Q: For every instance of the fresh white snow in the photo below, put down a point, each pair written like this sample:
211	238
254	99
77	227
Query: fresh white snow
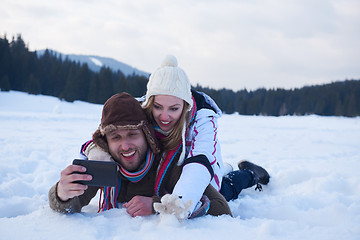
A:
96	61
314	163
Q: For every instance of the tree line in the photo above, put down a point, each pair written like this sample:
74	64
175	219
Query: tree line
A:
49	74
340	98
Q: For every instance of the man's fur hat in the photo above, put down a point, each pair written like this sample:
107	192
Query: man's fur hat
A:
122	111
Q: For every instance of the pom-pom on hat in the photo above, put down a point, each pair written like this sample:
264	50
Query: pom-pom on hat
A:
169	79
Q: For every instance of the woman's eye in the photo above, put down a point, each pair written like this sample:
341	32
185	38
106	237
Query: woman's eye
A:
174	109
157	107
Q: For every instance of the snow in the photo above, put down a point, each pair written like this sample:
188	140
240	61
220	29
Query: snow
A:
314	163
96	61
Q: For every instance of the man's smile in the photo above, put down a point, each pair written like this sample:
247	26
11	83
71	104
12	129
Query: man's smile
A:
128	154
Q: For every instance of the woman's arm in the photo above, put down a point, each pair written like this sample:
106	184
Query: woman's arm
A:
203	164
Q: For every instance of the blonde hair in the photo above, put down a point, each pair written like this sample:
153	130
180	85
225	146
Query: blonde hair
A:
175	136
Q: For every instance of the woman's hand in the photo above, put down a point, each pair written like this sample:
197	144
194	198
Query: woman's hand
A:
172	204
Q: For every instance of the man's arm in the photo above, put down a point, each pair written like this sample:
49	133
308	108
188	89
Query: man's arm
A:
68	197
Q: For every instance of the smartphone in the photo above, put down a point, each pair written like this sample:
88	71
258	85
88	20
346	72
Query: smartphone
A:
104	174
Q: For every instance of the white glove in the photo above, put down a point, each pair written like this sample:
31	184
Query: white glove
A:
172	204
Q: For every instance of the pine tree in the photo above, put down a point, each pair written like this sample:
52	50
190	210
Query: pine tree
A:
106	88
5	83
33	85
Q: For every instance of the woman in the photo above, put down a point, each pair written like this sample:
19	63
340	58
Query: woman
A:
188	118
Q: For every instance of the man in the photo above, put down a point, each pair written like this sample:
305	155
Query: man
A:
126	135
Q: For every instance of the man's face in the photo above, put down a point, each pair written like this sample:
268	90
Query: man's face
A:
128	147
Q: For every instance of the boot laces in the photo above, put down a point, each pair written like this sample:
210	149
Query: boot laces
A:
258	187
255	179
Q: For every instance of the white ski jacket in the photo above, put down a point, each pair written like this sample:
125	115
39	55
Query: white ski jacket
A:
203	162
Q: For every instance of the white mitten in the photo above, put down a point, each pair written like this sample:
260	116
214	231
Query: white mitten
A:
172	204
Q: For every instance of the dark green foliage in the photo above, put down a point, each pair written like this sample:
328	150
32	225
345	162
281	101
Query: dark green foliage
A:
334	99
5	83
49	74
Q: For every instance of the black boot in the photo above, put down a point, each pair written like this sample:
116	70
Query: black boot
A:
260	175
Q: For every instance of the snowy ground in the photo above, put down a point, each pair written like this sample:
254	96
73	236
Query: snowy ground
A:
314	163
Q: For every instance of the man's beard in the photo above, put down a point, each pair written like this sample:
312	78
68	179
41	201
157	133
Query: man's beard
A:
141	157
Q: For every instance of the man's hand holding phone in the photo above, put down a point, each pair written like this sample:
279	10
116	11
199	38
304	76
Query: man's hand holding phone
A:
76	178
67	188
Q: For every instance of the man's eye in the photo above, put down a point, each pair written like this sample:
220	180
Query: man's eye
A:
133	134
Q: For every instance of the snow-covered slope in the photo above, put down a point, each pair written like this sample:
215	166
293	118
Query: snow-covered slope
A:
96	62
313	193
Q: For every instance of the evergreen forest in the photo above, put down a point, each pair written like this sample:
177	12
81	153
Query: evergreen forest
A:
49	74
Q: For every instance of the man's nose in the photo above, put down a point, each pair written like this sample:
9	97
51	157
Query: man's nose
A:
125	145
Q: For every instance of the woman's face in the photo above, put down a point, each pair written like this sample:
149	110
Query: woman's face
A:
167	111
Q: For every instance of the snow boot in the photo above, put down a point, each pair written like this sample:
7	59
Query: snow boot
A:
260	175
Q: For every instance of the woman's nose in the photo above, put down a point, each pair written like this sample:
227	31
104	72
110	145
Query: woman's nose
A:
164	116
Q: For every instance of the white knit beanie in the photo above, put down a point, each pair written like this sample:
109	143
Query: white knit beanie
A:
169	79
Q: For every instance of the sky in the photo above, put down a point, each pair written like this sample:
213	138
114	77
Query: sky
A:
234	44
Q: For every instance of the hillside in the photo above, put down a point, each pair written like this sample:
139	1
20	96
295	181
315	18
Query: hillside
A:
95	63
